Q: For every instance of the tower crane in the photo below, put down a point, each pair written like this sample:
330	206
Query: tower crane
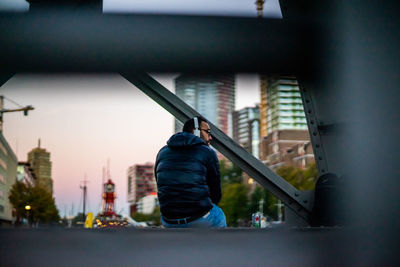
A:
3	110
259	4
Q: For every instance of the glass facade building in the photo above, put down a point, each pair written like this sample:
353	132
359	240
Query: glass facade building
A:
281	107
283	127
246	128
212	96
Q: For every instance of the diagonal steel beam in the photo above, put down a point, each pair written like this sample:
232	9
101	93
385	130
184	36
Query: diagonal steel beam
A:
5	76
299	201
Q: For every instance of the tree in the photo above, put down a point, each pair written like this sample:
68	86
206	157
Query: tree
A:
153	218
268	208
302	179
270	202
256	196
43	208
19	198
234	203
230	173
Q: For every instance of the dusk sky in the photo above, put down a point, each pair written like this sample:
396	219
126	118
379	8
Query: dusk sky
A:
83	120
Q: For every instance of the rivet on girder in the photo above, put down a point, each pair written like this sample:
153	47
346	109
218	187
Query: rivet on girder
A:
313	121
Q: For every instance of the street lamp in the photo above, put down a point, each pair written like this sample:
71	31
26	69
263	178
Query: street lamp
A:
27	208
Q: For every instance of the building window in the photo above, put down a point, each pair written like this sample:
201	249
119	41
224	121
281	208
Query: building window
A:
3	164
129	184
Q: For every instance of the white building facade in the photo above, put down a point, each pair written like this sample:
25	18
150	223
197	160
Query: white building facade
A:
141	182
8	176
147	204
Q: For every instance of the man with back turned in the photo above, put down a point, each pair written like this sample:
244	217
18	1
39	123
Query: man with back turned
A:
188	179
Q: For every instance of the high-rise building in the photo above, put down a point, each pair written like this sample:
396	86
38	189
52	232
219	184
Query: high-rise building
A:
263	107
246	128
141	183
281	106
287	147
8	174
39	160
283	127
212	96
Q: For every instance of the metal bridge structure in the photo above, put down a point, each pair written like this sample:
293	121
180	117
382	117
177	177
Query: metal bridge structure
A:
345	55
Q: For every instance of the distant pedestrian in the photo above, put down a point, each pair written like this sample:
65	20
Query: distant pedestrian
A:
188	179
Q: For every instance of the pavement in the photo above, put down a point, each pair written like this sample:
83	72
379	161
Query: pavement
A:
197	247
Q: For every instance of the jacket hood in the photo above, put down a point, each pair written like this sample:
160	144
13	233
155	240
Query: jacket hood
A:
184	139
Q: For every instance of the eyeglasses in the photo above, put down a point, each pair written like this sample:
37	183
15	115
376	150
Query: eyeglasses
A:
208	131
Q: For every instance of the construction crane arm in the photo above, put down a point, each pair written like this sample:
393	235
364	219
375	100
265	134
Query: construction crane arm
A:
24	109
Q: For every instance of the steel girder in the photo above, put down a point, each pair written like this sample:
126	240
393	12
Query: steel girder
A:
346	57
91	42
351	98
299	201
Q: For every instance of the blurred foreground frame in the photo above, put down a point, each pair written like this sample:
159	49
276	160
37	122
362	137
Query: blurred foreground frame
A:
347	66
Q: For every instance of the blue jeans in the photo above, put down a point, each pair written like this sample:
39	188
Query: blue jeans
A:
215	219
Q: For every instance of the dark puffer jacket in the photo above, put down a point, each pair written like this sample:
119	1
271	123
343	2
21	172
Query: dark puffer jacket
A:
187	175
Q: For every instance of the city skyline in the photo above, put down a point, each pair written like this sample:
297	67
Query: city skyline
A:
79	120
79	116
